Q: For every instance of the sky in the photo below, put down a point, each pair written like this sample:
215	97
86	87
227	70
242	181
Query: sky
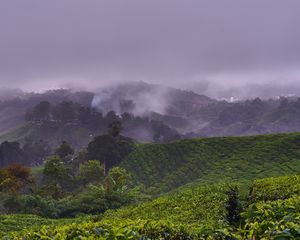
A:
208	46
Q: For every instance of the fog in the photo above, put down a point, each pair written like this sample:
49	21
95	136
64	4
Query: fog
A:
219	48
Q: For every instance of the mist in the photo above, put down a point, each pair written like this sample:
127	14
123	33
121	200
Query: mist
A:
220	49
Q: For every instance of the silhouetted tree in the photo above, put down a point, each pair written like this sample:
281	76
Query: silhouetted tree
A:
109	150
11	152
64	150
41	111
64	112
115	128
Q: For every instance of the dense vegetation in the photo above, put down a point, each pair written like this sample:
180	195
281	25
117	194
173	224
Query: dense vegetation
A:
48	125
197	212
104	191
71	183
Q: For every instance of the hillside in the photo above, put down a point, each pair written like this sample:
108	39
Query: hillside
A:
251	117
183	113
270	211
229	196
15	103
53	134
167	166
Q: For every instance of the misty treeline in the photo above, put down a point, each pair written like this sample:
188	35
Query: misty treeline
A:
250	117
73	113
47	119
30	153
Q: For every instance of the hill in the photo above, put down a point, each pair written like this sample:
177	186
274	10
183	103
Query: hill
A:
15	103
183	113
167	166
197	212
53	134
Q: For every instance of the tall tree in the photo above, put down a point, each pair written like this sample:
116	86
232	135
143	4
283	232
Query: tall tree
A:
115	128
64	150
41	111
109	150
91	172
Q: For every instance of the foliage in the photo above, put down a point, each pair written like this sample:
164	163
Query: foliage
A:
202	210
108	230
117	180
64	150
275	188
189	206
55	171
115	128
15	177
91	172
194	212
31	152
167	166
233	206
109	150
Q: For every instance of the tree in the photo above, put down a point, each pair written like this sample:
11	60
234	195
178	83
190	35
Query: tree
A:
11	152
64	112
109	150
233	206
115	128
64	150
36	152
84	115
15	177
117	179
41	111
56	171
111	116
91	172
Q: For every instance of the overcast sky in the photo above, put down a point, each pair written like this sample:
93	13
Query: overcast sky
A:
187	43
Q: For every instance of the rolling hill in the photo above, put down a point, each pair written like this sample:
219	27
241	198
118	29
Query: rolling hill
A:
251	177
185	113
167	166
270	211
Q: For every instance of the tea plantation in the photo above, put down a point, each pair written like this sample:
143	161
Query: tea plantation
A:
239	188
198	212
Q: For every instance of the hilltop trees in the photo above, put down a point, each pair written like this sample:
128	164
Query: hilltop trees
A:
41	111
64	112
71	113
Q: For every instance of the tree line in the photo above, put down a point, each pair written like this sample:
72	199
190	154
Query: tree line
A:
68	112
69	183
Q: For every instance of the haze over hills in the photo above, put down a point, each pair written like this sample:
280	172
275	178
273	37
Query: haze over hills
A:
182	114
150	120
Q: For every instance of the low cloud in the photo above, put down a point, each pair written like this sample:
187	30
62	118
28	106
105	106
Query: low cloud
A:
208	46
